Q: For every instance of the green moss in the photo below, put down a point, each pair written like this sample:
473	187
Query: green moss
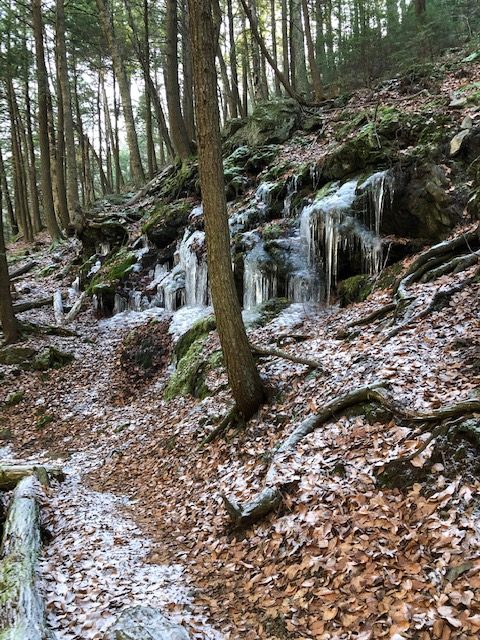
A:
192	367
42	421
17	356
389	276
272	231
188	378
164	222
354	289
51	358
182	181
14	398
200	329
6	434
112	272
216	360
269	310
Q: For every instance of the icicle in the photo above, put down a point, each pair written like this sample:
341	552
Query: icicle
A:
260	284
292	188
119	304
192	255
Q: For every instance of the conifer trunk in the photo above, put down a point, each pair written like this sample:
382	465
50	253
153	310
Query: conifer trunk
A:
178	130
138	175
244	379
42	82
10	325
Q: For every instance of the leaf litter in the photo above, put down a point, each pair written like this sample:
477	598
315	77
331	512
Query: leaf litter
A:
140	518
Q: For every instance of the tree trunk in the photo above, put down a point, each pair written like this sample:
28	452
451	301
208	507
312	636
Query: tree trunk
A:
299	65
178	131
22	614
138	175
74	210
273	26
233	60
8	200
11	475
253	25
314	70
42	82
11	329
142	58
18	166
244	379
187	102
32	173
285	55
151	158
110	134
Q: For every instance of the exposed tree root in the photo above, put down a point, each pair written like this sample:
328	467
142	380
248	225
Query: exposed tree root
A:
442	250
439	301
397	473
377	314
229	418
22	613
271	496
456	265
277	353
437	261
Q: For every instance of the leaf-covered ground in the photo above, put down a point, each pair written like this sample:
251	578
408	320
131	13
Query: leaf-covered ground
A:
141	520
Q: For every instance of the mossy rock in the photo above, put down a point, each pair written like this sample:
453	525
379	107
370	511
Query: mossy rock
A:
112	272
51	358
166	221
14	398
21	356
354	289
271	122
200	329
43	420
372	411
6	434
189	378
113	233
192	367
181	182
270	310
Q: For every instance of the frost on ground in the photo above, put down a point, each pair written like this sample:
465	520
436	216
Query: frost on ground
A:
96	564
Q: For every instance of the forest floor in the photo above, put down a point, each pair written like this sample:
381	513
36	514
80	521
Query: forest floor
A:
140	518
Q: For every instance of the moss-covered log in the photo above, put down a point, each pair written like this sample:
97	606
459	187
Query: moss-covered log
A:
270	497
22	615
11	475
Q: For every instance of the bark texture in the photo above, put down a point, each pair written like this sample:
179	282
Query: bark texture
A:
22	615
244	379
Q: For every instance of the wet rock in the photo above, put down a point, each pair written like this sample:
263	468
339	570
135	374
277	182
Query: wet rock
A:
457	142
145	623
97	233
423	207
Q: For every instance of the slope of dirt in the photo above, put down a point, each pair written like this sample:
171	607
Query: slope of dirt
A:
343	558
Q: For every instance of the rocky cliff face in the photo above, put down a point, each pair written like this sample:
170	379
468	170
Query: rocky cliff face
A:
315	197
